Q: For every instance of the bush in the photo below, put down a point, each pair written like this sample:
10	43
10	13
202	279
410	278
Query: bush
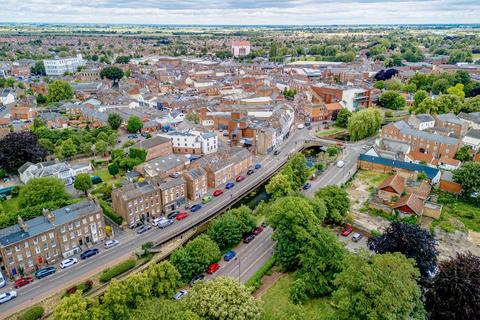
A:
85	286
256	280
33	313
71	290
108	211
120	268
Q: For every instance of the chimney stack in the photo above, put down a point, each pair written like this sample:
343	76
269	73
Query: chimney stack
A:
22	224
47	214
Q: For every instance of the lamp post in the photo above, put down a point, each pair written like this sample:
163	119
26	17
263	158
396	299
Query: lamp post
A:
238	258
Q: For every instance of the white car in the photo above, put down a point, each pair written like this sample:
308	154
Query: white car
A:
2	281
68	262
340	164
180	294
110	244
7	296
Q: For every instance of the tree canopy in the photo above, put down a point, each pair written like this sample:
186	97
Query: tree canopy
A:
112	73
467	175
134	124
38	69
392	100
16	148
337	202
114	120
364	123
83	182
40	190
342	118
59	91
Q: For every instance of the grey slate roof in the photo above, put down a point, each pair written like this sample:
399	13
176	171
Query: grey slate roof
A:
424	117
450	117
406	129
473	133
473	116
151	142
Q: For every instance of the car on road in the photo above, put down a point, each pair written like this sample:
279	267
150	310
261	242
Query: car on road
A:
357	237
144	228
340	164
172	215
2	281
90	253
206	199
229	255
217	192
163	223
300	126
68	262
258	230
307	186
276	152
195	279
347	229
180	294
42	273
240	178
182	215
196	207
250	172
7	296
248	238
229	185
213	268
22	282
258	166
110	244
132	136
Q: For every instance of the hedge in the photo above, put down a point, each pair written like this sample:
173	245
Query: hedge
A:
120	268
108	211
256	280
33	313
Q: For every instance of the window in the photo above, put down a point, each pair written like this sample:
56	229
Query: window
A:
9	251
98	216
37	250
72	235
45	246
44	237
90	218
19	257
10	260
30	262
25	245
64	238
55	252
28	253
70	226
52	243
47	255
77	224
84	221
17	248
67	247
50	235
62	229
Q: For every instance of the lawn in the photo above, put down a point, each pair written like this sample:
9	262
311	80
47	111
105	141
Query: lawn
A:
371	178
11	205
277	304
103	173
333	131
467	213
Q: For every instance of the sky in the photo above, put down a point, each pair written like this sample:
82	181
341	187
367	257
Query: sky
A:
241	12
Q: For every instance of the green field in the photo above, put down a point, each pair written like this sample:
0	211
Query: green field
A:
329	132
453	208
11	205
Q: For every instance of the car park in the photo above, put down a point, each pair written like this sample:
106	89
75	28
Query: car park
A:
196	207
206	199
172	215
68	262
357	237
180	294
162	224
42	273
213	268
347	229
249	238
22	282
250	172
217	193
340	163
90	253
240	178
7	296
144	228
182	215
229	185
306	186
257	230
110	244
258	166
195	279
229	255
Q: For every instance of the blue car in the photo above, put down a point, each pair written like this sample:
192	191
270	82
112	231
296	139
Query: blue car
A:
306	186
42	273
89	253
229	255
229	185
258	166
195	207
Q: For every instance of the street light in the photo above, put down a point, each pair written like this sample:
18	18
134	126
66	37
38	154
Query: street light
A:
238	258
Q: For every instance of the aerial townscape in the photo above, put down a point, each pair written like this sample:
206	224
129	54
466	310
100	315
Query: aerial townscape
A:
259	161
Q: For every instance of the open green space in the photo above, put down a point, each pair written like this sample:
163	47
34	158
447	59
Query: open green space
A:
329	132
456	209
11	205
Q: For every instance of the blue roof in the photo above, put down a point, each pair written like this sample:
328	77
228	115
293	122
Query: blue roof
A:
429	171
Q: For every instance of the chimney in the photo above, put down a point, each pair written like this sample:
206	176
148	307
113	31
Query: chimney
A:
22	224
47	214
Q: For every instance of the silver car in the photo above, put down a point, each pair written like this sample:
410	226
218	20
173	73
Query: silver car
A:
68	262
7	296
110	244
180	294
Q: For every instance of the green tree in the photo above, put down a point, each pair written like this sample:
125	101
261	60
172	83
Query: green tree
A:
380	286
59	91
447	103
440	86
333	151
114	120
41	190
463	154
139	288
467	175
245	218
113	169
164	278
392	100
393	84
112	73
223	299
38	69
457	90
193	117
418	97
137	153
66	149
83	182
122	59
112	139
297	170
163	309
364	123
225	231
279	186
337	202
115	301
471	104
342	118
134	124
72	307
101	147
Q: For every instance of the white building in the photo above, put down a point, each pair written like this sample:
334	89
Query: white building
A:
6	96
59	66
60	170
192	142
240	48
472	139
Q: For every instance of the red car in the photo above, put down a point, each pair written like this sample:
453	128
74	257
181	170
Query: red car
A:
240	178
347	230
213	268
258	230
182	215
218	192
22	282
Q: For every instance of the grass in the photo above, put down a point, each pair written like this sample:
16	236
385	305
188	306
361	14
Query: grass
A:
277	304
334	130
456	209
11	205
372	178
103	173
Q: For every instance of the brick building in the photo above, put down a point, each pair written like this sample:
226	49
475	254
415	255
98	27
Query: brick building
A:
156	147
223	167
196	183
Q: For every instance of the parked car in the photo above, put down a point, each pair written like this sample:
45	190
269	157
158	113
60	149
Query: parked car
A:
165	223
182	215
110	244
264	224
7	296
206	199
68	262
42	273
357	237
258	166
258	230
180	294
2	281
195	279
132	136
347	229
172	215
144	228
196	207
22	282
90	253
229	255
250	171
213	268
307	186
276	152
240	178
340	163
249	238
229	185
175	175
217	193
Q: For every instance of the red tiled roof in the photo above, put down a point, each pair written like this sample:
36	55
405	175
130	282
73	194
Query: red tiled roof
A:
241	43
396	182
333	106
411	201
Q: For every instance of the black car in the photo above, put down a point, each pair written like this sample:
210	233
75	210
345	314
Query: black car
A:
173	214
249	238
89	253
276	152
251	171
196	279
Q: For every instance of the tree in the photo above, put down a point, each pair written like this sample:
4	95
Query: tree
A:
392	100
134	124
447	103
455	291
279	186
122	59
225	231
463	154
467	175
164	309
112	73
193	117
337	202
364	123
224	299
244	216
378	287
342	118
38	69
393	84
164	278
112	139
59	91
471	104
72	307
115	301
114	120
195	257
40	190
379	84
113	169
67	149
101	147
418	97
297	170
411	240
16	148
457	90
333	151
83	182
440	86
385	74
137	153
